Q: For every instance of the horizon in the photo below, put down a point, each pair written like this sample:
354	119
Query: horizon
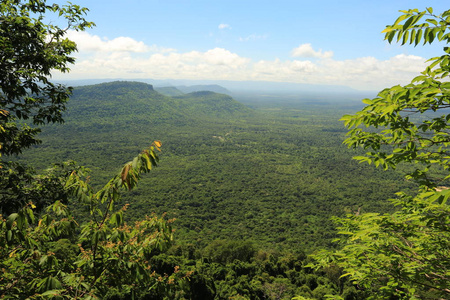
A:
321	43
244	90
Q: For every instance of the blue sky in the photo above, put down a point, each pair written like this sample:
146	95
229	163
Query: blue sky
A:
316	42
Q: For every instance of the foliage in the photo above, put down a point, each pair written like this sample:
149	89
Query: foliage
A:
46	251
222	251
53	255
405	254
271	177
271	181
266	274
409	116
212	105
30	50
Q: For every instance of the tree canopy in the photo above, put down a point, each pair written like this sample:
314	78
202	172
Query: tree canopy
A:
31	48
46	251
412	119
55	255
405	254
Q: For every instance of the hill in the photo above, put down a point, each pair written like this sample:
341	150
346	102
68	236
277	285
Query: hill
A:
208	87
246	89
122	102
169	91
271	175
211	104
132	101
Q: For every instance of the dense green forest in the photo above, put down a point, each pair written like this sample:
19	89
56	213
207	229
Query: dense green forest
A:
251	187
245	193
272	175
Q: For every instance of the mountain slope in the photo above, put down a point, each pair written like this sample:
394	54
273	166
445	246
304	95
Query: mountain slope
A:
117	102
209	104
169	91
226	172
205	87
123	102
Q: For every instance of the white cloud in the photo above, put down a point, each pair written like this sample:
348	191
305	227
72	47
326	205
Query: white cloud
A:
306	50
128	58
303	66
224	26
219	56
371	73
93	43
406	63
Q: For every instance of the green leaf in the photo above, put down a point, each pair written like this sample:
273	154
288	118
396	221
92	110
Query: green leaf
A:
412	36
409	22
11	219
401	18
53	293
390	36
9	236
345	275
431	36
405	37
432	21
418	37
49	283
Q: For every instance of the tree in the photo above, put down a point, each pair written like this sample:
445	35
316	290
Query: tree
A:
54	255
30	50
45	251
405	254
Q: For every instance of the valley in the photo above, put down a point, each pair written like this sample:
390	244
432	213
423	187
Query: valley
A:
268	172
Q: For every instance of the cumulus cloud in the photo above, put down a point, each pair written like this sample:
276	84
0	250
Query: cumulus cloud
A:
93	43
224	26
406	63
219	56
306	50
372	73
128	58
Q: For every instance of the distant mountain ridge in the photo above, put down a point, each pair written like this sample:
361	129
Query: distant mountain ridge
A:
312	91
169	91
125	101
214	104
209	87
181	90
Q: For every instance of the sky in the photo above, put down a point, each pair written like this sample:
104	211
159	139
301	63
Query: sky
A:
327	42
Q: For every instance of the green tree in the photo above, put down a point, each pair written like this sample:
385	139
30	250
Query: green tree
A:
405	254
45	251
104	254
30	50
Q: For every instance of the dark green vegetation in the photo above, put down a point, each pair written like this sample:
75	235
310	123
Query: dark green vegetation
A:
46	251
274	176
29	51
252	189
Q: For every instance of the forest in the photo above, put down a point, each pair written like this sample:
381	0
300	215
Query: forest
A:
246	198
254	186
269	174
247	187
